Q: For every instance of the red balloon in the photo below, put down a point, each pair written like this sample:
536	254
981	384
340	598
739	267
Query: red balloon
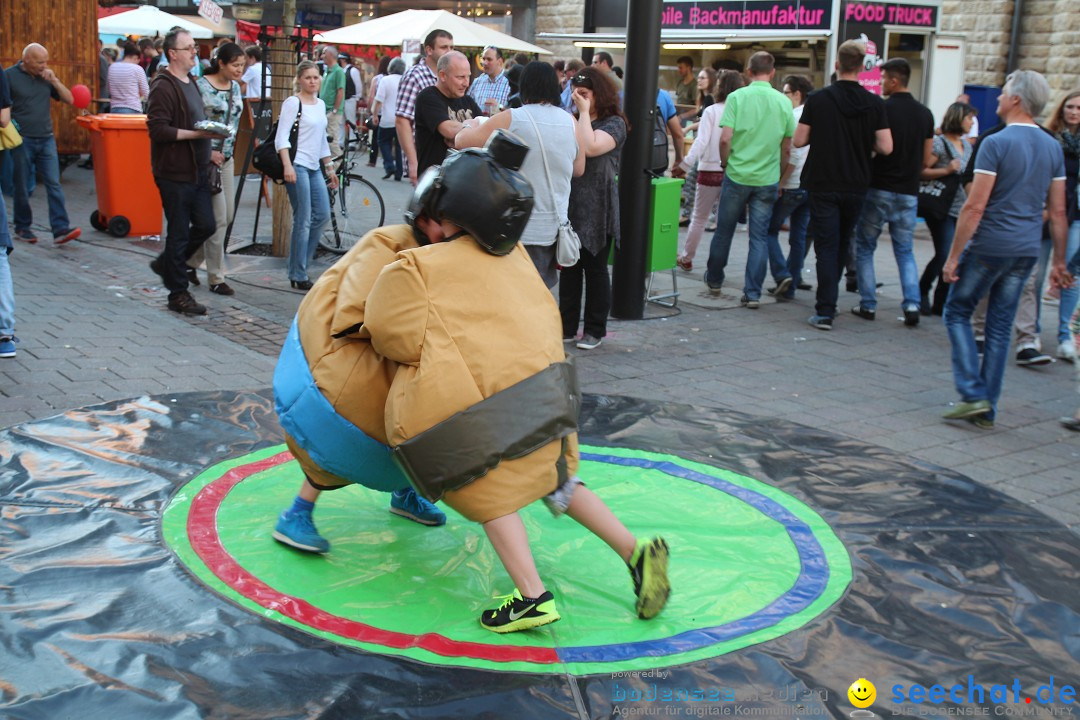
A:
80	96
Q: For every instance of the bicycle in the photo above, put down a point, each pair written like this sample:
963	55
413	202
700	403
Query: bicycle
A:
356	207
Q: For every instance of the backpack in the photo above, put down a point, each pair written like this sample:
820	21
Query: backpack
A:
659	158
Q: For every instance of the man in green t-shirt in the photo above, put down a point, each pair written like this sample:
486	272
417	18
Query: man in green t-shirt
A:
332	93
755	142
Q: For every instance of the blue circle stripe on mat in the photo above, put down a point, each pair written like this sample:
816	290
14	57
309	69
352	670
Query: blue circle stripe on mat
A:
811	583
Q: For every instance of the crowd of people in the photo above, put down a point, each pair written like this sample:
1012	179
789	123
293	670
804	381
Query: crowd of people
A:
833	166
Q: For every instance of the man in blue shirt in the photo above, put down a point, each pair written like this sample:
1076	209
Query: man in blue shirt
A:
491	89
1018	172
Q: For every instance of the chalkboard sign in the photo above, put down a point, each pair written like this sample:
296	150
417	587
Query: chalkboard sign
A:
264	117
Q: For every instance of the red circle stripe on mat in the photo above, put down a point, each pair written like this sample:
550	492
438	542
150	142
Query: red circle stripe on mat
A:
204	538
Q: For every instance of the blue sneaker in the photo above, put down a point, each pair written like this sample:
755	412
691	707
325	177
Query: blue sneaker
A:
297	529
7	346
408	504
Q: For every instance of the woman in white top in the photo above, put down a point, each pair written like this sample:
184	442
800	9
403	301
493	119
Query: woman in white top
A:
548	130
705	153
304	179
385	111
127	83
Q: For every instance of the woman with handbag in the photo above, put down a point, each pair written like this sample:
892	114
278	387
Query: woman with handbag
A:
304	178
554	157
704	155
224	102
952	153
594	206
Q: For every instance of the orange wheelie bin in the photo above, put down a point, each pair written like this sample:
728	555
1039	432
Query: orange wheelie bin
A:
128	199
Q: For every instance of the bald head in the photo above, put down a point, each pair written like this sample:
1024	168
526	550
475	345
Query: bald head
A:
34	58
329	55
454	74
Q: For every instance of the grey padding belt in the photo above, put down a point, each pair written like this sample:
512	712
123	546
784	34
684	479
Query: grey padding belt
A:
510	424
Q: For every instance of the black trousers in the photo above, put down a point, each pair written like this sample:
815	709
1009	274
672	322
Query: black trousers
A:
832	219
189	221
592	272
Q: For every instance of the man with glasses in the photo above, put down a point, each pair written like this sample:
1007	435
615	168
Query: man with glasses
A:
491	89
180	162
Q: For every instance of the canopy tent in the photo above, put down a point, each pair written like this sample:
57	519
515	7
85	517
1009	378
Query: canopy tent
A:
148	20
416	24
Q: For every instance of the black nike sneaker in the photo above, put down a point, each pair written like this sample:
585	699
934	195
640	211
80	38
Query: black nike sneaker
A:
518	613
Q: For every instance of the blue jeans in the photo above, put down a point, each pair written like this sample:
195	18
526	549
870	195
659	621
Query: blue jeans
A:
125	111
832	219
42	153
391	152
796	205
7	292
310	200
1002	278
732	200
880	207
1068	296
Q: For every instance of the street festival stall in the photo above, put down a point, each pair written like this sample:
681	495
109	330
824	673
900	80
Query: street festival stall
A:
803	35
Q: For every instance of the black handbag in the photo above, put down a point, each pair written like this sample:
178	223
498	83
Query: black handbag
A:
267	160
936	196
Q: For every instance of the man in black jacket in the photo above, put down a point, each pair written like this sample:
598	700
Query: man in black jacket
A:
843	124
180	160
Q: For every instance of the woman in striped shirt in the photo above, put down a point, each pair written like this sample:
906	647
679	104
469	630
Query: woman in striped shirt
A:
127	83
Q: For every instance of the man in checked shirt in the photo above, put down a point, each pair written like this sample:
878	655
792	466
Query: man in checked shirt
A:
418	77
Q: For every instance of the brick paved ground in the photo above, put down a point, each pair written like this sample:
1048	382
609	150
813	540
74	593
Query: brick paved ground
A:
93	327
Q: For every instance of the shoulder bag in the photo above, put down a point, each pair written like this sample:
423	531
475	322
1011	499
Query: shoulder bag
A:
567	242
266	159
936	196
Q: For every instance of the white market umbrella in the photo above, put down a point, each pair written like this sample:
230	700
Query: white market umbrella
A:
148	20
416	24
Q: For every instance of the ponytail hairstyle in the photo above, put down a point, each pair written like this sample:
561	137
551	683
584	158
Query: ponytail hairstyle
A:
226	53
301	68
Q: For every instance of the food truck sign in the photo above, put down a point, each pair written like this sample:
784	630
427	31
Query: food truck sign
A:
923	16
791	14
747	15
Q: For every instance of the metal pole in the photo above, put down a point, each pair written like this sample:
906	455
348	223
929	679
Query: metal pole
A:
1014	36
635	189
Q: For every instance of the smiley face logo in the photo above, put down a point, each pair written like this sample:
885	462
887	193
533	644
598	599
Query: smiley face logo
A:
862	693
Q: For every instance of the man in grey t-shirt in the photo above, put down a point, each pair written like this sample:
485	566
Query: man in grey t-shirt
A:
33	85
1018	172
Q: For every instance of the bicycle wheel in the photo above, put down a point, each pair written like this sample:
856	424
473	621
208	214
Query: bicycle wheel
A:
358	209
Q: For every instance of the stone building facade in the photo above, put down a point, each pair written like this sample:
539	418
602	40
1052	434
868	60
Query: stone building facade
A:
1049	37
560	16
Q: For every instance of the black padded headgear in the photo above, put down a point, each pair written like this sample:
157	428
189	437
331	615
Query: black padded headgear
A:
480	191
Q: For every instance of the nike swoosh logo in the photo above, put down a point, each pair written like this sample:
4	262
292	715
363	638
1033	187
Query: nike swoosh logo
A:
517	616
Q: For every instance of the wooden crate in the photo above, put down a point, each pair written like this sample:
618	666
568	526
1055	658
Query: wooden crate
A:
68	28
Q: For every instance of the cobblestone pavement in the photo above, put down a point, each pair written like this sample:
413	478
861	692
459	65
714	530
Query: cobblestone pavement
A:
93	327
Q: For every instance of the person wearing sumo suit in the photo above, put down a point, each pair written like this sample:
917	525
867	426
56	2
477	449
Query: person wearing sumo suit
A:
330	391
477	336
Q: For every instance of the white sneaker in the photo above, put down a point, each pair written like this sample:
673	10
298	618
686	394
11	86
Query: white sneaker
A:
1067	351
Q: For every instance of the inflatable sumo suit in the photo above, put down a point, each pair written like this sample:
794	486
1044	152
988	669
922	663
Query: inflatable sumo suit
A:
479	340
330	385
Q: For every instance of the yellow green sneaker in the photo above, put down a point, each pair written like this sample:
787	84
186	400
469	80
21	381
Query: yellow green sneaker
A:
518	613
648	569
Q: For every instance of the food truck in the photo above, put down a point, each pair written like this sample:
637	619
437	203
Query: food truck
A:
802	35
